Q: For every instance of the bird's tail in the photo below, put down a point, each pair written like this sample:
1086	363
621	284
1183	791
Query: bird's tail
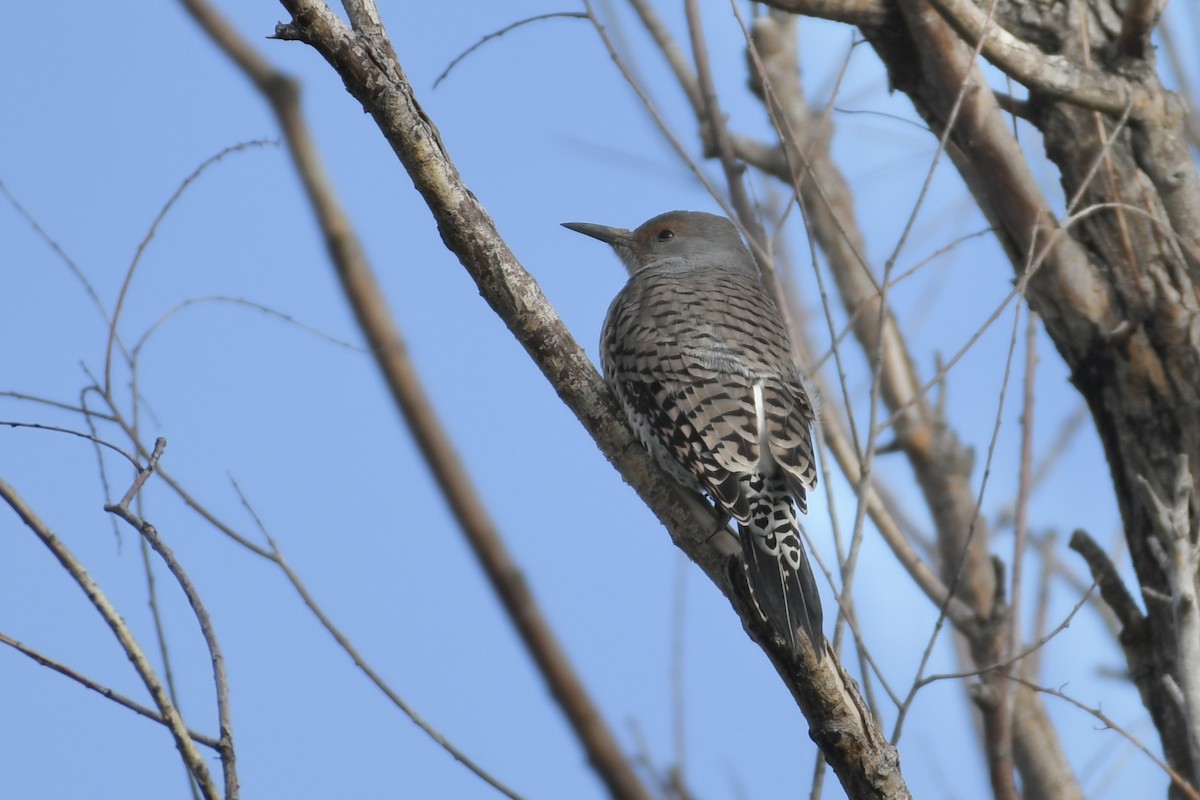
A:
781	581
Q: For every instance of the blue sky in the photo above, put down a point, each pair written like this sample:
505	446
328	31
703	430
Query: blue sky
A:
108	109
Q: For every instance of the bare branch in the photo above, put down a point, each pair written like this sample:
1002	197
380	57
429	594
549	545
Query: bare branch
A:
1136	26
91	437
841	725
220	677
713	122
1055	75
104	691
391	354
497	34
1178	554
1182	77
1180	782
275	555
195	763
141	249
864	13
1112	589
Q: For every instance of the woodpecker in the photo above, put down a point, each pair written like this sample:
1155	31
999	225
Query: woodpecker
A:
699	358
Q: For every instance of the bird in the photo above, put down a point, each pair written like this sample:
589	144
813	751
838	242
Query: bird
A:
700	361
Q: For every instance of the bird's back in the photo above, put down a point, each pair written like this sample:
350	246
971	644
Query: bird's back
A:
706	337
699	358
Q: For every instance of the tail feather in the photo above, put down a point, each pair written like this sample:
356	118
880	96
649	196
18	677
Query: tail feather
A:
777	569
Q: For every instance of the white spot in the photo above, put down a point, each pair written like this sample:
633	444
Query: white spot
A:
766	462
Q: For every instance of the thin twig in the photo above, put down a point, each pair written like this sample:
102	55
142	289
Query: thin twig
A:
659	122
678	662
174	722
1024	488
91	437
497	34
141	249
276	556
62	254
216	658
1179	781
102	690
241	302
714	123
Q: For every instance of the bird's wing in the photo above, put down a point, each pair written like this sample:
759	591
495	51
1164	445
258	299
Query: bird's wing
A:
786	412
727	442
731	349
688	381
702	427
790	419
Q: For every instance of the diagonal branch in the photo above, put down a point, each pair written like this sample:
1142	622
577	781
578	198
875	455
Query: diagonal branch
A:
149	535
942	464
391	354
1055	75
174	722
840	723
104	691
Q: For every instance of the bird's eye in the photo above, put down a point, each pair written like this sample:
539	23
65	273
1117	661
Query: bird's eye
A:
666	234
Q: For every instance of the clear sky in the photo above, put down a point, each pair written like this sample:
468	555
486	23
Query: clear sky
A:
108	107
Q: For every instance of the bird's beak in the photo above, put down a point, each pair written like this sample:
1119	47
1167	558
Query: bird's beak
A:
617	237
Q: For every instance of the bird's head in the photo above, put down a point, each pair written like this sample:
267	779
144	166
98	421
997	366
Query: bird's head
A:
675	240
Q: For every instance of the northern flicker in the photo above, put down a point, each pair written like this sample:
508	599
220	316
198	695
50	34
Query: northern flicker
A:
699	358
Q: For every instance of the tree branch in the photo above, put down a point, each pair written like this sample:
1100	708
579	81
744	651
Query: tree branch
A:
149	534
391	354
866	765
196	764
103	691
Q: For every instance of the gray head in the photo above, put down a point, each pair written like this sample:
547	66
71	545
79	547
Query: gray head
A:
675	240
